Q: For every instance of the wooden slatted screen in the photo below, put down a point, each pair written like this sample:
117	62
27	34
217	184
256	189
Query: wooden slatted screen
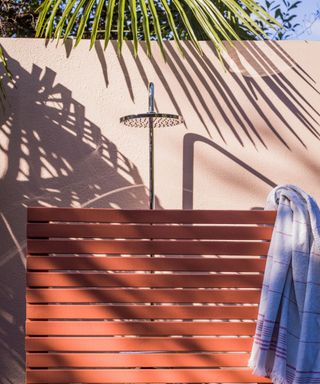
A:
127	296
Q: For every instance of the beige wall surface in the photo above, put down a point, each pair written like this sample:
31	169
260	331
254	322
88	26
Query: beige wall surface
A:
248	127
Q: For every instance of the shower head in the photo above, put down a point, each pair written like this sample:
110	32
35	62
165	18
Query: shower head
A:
157	120
151	119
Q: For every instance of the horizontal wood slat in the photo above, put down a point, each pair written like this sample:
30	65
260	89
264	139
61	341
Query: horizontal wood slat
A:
88	307
177	216
98	344
106	360
66	311
144	376
146	246
147	328
194	264
56	279
145	231
131	295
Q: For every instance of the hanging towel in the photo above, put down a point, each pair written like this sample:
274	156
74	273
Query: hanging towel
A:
286	345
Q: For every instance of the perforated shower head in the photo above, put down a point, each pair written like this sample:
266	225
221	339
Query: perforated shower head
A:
151	119
158	120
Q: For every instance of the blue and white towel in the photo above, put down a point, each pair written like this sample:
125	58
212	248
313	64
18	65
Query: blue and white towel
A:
286	345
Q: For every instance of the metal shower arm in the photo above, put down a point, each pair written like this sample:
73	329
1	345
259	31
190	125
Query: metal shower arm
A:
151	97
151	120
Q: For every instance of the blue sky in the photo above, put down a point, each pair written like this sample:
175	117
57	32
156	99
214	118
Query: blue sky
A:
306	11
306	14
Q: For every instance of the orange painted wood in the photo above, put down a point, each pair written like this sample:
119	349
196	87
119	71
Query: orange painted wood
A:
146	246
98	376
99	344
145	231
80	317
146	328
57	279
146	263
56	311
115	295
102	215
115	360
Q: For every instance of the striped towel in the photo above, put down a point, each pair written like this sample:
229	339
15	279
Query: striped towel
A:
286	345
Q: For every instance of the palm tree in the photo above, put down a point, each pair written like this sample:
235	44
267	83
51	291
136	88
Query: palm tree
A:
159	20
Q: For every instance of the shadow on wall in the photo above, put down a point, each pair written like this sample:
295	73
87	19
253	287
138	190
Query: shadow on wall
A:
189	141
57	157
207	88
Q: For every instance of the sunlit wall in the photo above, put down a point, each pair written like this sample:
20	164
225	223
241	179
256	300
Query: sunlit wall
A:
249	125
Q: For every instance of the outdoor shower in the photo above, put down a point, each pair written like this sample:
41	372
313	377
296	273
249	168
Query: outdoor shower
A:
151	119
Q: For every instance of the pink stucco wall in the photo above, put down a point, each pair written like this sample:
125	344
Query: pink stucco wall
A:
248	127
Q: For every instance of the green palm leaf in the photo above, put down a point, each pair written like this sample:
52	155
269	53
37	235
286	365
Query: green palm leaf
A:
44	15
134	25
96	22
84	20
145	25
157	27
121	8
187	24
50	23
69	25
172	24
153	19
66	13
109	18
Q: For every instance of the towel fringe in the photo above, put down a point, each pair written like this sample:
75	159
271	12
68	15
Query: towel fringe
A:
261	371
257	371
276	379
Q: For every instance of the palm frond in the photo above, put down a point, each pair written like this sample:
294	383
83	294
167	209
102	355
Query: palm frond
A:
44	15
172	24
154	20
145	25
84	20
187	25
108	24
69	25
157	27
67	13
121	15
134	25
51	19
96	22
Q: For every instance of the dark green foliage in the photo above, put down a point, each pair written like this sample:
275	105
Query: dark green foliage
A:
284	11
18	18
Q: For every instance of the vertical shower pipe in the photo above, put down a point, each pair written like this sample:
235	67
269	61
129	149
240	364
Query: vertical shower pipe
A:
151	119
151	155
151	147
